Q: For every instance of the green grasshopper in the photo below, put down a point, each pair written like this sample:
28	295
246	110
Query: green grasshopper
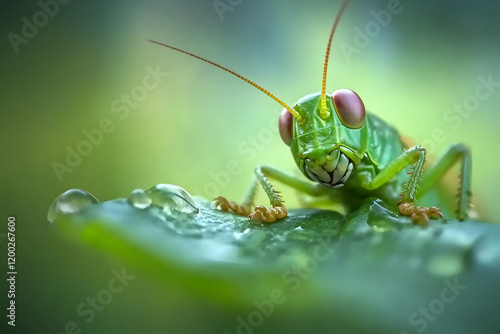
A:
350	155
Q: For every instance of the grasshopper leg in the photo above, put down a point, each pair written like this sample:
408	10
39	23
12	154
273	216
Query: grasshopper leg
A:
413	156
439	169
277	210
228	206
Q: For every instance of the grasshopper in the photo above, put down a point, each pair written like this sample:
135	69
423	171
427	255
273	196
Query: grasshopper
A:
349	154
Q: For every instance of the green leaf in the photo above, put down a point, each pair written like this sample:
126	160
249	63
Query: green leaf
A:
371	271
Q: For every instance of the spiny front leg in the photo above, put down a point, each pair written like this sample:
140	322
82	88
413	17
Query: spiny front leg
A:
456	153
277	210
415	155
418	214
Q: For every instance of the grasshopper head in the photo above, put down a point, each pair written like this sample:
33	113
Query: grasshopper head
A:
327	148
327	133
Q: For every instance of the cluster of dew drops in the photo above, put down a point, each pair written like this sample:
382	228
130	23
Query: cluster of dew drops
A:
172	199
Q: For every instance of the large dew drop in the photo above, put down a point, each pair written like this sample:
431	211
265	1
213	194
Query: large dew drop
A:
172	199
139	199
71	201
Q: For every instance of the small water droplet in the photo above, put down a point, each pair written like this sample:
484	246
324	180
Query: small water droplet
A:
139	199
71	201
172	199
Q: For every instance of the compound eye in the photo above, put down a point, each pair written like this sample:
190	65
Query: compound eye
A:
349	107
286	126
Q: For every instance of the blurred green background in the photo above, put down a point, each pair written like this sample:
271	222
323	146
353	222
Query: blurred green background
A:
75	70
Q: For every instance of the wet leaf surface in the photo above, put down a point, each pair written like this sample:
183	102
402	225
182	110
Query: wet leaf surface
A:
369	272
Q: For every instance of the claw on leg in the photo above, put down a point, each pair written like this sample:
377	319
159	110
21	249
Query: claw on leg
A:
224	205
260	213
268	215
418	214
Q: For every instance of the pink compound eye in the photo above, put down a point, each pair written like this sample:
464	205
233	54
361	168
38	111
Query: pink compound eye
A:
286	126
349	107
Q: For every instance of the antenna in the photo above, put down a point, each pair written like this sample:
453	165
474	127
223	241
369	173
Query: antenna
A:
323	110
295	114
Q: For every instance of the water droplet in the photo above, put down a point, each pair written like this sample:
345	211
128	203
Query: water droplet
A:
139	199
71	201
172	199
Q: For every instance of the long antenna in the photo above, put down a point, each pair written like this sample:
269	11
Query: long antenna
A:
323	111
299	118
